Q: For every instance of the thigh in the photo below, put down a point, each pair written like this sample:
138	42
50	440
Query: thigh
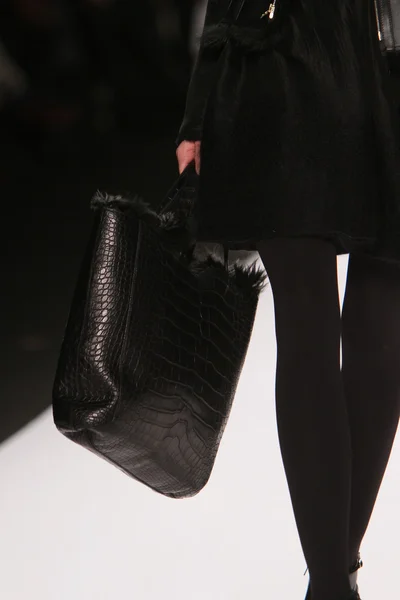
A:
303	275
304	263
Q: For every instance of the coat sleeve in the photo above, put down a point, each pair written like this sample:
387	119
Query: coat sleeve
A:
200	80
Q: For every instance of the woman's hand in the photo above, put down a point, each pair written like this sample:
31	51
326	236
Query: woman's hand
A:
186	152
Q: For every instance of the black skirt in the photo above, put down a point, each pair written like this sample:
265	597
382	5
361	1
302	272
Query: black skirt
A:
300	131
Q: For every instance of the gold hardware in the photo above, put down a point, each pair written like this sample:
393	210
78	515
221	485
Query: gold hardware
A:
270	12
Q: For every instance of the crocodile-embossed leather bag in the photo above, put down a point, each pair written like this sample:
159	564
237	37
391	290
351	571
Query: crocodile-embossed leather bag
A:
388	25
155	343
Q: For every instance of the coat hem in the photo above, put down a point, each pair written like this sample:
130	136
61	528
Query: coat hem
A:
344	243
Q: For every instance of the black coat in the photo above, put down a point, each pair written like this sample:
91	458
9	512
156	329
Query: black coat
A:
299	126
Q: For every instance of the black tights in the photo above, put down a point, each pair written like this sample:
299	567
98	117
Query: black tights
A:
336	428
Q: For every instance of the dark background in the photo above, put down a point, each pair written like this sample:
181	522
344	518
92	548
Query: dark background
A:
92	93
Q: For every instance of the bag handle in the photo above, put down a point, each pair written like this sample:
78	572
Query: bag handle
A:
186	180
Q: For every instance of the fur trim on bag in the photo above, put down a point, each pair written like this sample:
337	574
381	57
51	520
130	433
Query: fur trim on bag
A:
247	277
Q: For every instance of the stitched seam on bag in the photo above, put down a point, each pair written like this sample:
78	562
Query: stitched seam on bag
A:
128	315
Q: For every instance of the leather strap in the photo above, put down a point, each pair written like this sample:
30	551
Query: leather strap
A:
187	179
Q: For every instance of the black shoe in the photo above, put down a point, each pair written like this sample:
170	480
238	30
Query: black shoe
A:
353	580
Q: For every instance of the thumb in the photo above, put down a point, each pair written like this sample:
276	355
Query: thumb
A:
185	154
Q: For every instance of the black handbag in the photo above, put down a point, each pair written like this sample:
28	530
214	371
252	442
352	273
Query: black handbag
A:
155	343
388	24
